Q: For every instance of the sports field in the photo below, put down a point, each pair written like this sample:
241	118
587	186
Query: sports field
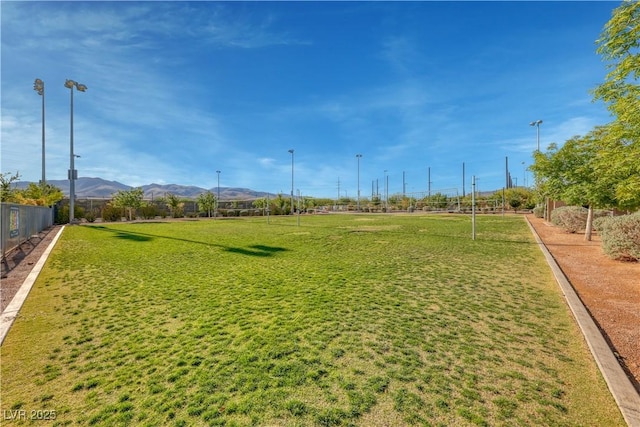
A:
363	320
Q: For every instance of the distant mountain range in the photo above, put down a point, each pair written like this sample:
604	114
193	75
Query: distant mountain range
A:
101	188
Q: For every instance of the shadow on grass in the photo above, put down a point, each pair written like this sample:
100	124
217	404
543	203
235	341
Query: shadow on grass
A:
132	236
256	250
253	250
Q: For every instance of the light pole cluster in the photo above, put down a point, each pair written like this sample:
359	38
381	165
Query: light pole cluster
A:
73	174
38	86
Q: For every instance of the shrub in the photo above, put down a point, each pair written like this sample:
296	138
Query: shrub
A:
148	211
601	213
574	218
600	223
538	211
62	214
570	218
90	216
515	204
621	237
111	213
78	212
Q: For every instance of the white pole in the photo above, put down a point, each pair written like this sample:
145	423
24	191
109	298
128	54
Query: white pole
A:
292	207
473	208
298	207
72	188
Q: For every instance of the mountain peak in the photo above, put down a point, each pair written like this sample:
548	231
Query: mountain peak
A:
90	187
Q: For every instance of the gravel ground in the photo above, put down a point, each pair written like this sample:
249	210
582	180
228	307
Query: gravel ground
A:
609	289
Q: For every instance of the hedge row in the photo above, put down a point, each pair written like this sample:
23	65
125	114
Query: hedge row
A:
574	218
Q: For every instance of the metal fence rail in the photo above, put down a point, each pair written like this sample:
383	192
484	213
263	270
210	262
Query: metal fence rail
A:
20	222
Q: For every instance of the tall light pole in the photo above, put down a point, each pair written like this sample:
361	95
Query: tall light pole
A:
291	151
537	124
38	86
218	196
473	208
386	191
463	181
73	174
358	156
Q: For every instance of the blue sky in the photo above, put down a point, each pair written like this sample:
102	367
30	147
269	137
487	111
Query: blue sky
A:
178	90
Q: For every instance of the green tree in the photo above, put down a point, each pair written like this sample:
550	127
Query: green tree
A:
436	201
345	201
569	173
148	210
175	205
261	203
619	158
279	202
323	201
206	202
515	203
129	200
618	45
516	197
308	203
7	192
39	194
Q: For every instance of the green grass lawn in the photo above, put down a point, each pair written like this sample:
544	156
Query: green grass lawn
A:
343	320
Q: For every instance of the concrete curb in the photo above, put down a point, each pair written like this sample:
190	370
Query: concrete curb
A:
619	384
11	311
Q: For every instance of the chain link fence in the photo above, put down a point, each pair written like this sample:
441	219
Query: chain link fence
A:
20	222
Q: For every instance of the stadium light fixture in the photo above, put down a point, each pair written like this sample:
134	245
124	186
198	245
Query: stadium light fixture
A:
38	86
537	124
73	174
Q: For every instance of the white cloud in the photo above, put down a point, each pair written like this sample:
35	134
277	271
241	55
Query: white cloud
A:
266	162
